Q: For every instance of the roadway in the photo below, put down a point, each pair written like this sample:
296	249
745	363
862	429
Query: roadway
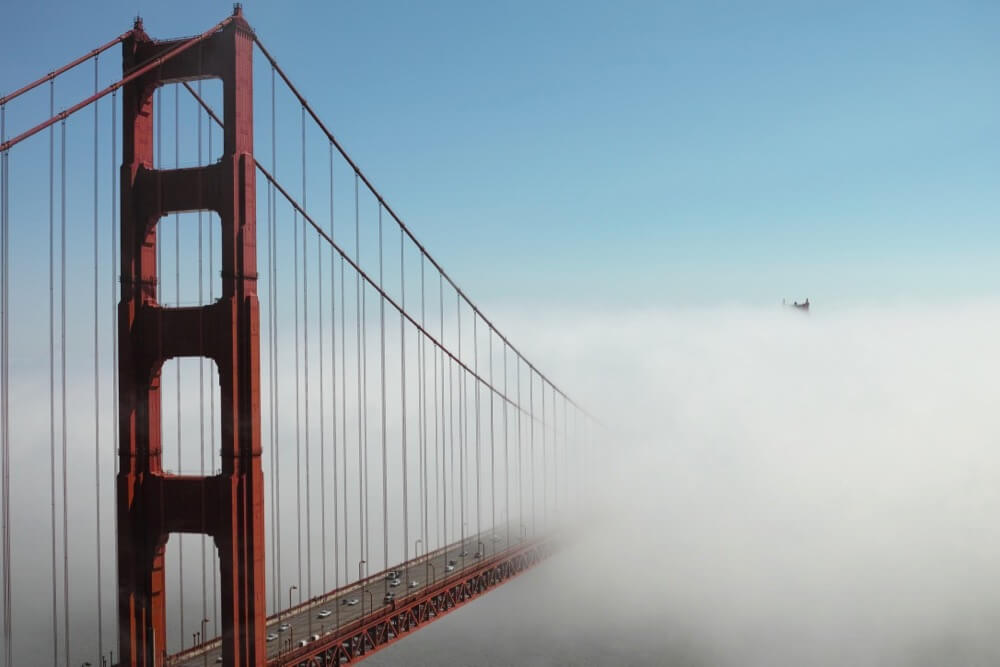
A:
286	629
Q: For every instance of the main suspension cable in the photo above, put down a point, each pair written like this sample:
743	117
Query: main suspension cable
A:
381	200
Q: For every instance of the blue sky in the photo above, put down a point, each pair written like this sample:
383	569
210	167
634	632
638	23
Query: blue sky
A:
642	154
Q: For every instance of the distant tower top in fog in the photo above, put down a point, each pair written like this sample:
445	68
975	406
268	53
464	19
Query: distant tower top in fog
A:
804	306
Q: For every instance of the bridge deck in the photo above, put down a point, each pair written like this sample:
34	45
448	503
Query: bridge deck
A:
360	606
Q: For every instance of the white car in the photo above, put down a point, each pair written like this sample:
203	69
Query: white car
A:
449	567
271	636
349	602
324	613
394	583
283	627
302	642
414	583
389	597
313	638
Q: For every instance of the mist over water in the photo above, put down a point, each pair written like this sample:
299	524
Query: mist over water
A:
776	489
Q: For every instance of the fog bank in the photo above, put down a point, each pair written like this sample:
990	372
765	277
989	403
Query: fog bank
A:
776	489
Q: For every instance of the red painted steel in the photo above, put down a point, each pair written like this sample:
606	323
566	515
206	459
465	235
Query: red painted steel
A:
151	503
359	640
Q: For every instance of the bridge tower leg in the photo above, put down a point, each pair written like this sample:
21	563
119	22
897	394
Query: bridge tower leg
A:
152	504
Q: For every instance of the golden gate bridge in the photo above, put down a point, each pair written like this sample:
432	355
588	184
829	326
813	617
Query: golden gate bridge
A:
318	442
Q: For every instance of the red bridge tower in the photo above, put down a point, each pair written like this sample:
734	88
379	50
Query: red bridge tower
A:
152	504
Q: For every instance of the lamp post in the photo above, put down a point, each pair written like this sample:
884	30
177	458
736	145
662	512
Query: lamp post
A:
363	588
416	554
371	603
204	654
290	589
433	569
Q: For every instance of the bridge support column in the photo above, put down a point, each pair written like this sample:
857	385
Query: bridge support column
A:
152	504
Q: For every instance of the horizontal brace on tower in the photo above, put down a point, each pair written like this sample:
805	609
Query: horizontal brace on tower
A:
165	191
182	332
182	503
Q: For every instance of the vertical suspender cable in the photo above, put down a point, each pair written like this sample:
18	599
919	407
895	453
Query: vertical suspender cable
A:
555	455
322	407
52	370
305	373
5	384
385	480
520	468
5	407
177	365
201	371
421	426
211	393
364	411
62	355
333	396
461	427
423	411
531	444
545	506
298	404
271	440
402	414
273	351
97	393
272	529
451	443
493	459
112	302
565	453
506	457
438	442
343	409
361	470
444	471
475	382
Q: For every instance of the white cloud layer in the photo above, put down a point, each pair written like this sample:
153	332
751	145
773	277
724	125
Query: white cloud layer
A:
781	489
